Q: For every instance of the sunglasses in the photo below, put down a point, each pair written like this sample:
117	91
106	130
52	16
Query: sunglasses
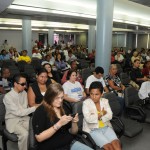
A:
22	84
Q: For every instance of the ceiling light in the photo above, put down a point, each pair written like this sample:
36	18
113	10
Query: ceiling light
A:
74	3
26	8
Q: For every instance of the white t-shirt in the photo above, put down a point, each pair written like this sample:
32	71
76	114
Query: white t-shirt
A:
73	90
144	90
119	58
37	55
91	79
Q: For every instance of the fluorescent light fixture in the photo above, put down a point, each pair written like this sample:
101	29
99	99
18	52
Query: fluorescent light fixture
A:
59	25
74	3
36	29
26	8
13	28
9	28
131	15
118	20
68	30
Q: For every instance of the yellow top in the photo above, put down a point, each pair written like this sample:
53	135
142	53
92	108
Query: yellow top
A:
100	122
24	58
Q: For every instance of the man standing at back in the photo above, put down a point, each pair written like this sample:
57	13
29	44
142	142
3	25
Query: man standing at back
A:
17	111
97	76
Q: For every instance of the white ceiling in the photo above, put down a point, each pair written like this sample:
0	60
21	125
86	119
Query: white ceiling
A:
70	14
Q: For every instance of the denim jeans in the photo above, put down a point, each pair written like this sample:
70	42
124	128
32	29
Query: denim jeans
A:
103	136
79	146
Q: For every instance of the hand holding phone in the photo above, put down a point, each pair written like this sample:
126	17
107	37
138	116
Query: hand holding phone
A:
75	118
73	115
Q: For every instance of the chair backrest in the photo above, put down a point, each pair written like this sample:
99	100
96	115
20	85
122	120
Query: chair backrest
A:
36	63
77	108
131	96
86	72
21	65
124	78
114	104
2	109
2	113
32	143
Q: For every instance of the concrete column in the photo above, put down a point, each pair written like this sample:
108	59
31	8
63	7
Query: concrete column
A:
74	39
104	23
51	37
130	39
147	41
91	38
27	35
136	38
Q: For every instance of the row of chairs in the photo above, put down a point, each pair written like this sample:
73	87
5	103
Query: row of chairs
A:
134	113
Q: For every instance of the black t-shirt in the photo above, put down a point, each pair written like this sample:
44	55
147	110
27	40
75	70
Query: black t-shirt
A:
37	92
136	73
42	122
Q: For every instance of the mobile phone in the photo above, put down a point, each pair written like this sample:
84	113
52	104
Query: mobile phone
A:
72	115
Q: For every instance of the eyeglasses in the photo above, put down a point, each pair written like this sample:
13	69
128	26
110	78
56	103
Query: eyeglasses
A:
22	84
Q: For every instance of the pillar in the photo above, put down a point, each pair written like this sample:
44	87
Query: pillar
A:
91	38
74	42
51	37
104	23
27	35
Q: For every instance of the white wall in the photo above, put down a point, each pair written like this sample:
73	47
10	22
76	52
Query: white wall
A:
14	38
81	39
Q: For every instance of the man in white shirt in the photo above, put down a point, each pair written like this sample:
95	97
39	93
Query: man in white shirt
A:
144	90
17	111
70	56
97	76
37	54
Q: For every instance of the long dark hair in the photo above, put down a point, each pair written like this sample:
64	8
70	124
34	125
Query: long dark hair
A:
52	92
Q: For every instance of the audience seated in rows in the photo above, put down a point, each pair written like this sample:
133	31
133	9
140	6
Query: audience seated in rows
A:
48	67
15	56
50	59
113	81
114	84
73	66
119	58
70	57
17	111
55	129
24	57
97	115
144	90
73	90
146	69
37	90
136	74
4	55
5	81
97	76
37	54
59	62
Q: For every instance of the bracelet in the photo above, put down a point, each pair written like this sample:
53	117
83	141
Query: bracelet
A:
56	127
